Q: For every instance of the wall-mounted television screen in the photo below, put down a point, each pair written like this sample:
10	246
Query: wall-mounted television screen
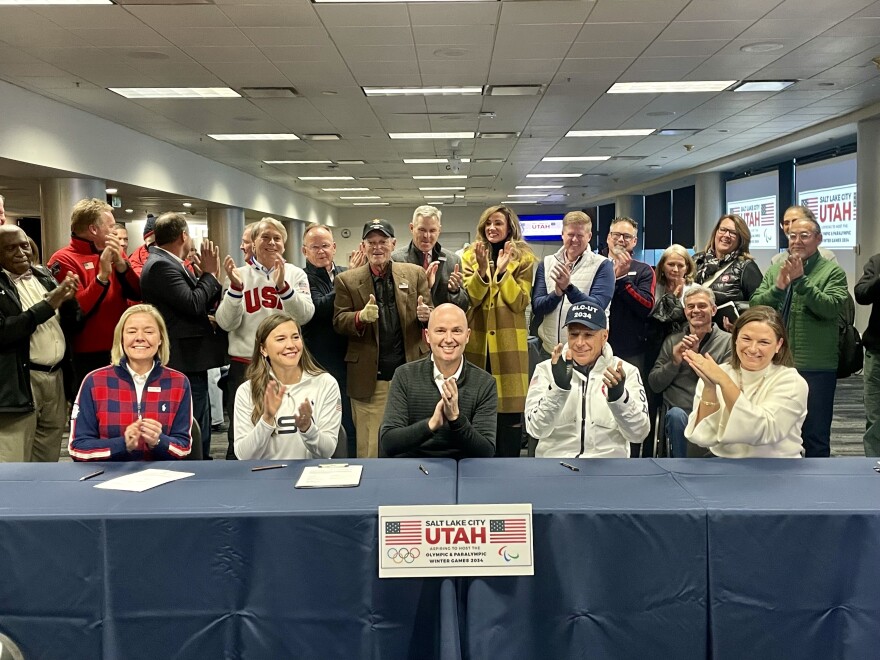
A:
542	227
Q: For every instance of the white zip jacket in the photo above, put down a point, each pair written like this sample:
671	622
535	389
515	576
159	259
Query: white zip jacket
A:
283	440
581	422
242	310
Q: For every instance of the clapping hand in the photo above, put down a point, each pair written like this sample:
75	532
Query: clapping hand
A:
231	272
272	399
208	260
481	254
615	380
357	257
561	368
705	367
64	291
278	272
303	417
449	397
687	343
504	258
455	280
561	274
622	261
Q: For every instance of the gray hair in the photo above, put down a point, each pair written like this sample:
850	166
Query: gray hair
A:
427	211
694	289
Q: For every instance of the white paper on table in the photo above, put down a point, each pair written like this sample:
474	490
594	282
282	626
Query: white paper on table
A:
331	476
143	480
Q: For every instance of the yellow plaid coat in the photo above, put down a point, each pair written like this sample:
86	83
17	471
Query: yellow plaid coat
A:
497	319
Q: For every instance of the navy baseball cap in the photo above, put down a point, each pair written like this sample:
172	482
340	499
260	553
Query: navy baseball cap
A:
588	313
150	225
379	225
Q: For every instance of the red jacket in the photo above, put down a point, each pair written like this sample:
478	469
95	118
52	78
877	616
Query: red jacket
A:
102	306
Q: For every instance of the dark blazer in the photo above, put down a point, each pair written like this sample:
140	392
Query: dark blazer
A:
353	290
326	345
185	303
16	328
448	261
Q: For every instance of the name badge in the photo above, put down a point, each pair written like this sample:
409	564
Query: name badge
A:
154	389
632	272
403	285
89	265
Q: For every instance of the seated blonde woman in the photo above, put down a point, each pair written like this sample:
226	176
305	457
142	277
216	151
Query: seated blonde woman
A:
135	409
753	406
288	407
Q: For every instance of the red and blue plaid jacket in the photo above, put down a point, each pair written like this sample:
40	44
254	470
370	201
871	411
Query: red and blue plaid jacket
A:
107	403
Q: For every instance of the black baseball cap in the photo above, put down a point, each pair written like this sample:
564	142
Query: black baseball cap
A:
379	225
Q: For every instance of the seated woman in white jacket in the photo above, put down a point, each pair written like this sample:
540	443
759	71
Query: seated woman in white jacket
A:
754	406
583	402
289	407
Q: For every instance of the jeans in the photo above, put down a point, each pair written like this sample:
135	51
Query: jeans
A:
676	423
872	403
816	432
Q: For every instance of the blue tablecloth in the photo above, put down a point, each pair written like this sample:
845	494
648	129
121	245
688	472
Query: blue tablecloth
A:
794	555
620	556
228	563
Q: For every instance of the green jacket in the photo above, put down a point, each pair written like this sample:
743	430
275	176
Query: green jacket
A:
815	306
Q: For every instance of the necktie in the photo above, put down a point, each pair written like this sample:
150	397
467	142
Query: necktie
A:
427	260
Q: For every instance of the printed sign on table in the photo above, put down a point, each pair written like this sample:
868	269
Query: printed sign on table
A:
760	216
835	209
455	540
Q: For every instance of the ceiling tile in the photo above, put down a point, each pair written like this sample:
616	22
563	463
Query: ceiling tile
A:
458	35
537	34
209	36
620	31
372	36
231	54
694	30
378	15
163	17
480	13
702	48
275	15
287	36
646	10
532	12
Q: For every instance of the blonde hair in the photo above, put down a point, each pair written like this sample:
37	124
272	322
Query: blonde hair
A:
514	231
258	370
87	212
681	251
427	211
117	352
271	222
577	218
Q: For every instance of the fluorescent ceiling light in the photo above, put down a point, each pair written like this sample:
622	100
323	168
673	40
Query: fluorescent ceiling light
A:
438	135
440	176
253	136
298	162
763	85
520	201
531	195
172	92
439	196
670	87
187	204
514	90
443	188
54	2
111	191
366	2
428	161
350	162
552	176
129	210
573	159
321	137
623	132
361	197
371	203
344	189
423	91
550	187
498	135
325	178
674	132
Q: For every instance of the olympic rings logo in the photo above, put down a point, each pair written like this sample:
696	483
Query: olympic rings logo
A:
401	555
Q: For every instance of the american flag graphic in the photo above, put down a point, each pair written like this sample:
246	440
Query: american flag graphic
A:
768	213
812	203
404	532
507	530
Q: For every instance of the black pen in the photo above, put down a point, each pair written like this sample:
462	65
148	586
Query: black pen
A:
570	467
93	474
422	468
268	467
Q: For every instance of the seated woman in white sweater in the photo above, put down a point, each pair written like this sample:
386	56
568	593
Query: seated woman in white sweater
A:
754	406
289	407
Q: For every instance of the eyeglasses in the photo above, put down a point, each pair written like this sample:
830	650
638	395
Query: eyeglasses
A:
316	248
616	235
725	230
802	235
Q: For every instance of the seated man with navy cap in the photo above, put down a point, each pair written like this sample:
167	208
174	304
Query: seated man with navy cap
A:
583	402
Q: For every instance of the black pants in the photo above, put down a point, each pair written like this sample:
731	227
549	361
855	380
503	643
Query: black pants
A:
508	435
84	363
198	385
237	375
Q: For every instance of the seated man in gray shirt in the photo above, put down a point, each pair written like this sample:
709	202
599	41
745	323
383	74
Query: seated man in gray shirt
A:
442	406
673	377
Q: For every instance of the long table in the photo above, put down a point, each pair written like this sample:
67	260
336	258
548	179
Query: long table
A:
793	555
228	563
620	563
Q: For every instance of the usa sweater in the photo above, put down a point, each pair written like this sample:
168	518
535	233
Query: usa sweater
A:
242	309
